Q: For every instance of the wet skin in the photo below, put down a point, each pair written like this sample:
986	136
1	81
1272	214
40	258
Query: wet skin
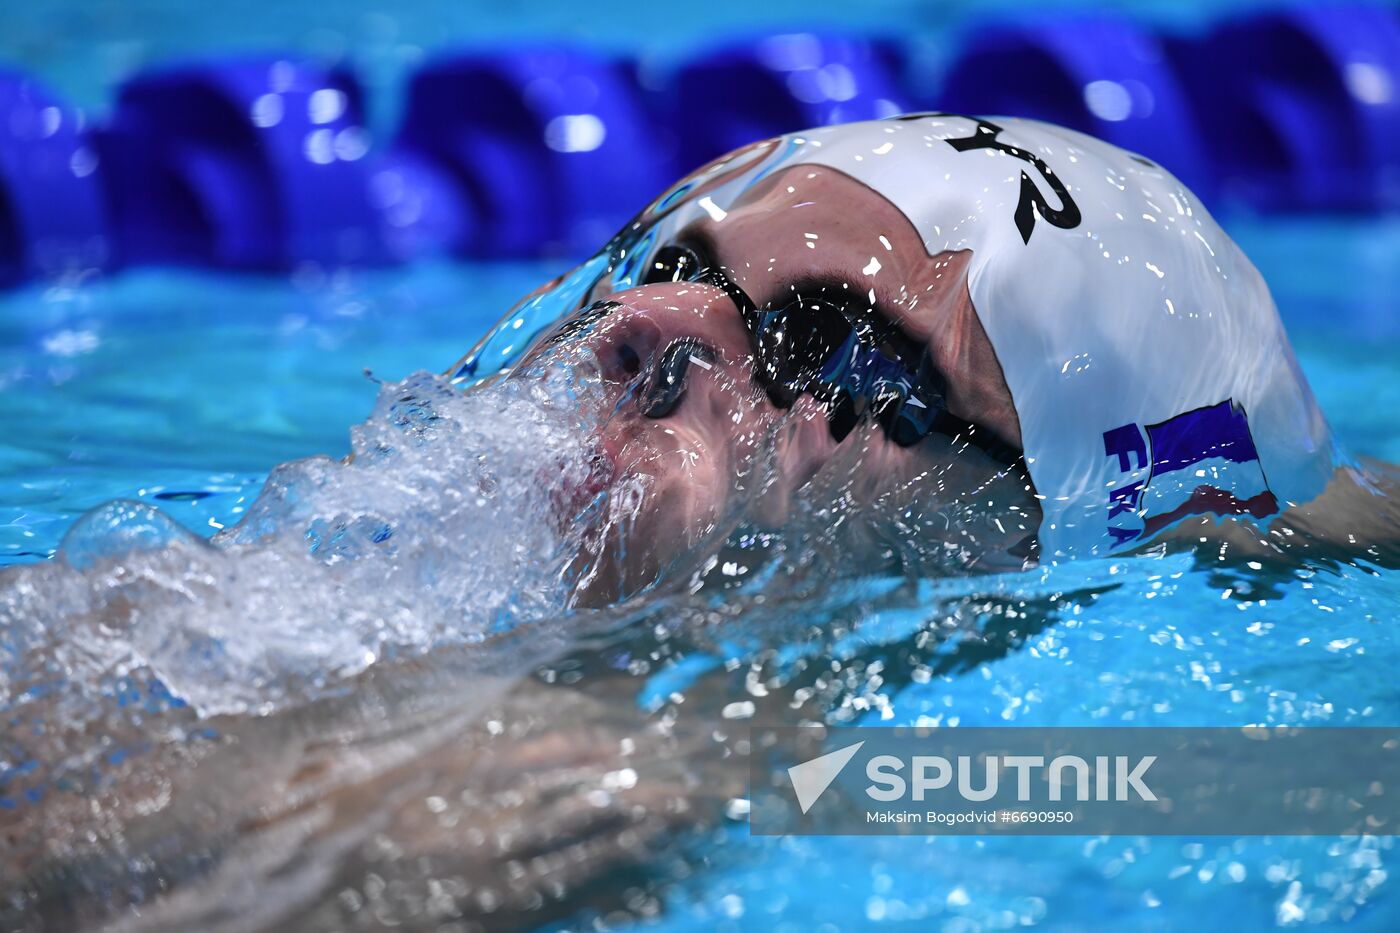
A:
805	232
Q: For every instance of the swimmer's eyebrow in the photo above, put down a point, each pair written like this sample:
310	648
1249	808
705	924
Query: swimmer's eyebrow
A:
829	283
825	281
700	241
840	288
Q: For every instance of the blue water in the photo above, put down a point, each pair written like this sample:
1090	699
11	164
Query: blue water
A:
183	388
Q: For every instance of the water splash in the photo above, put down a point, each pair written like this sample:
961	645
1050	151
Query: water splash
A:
441	527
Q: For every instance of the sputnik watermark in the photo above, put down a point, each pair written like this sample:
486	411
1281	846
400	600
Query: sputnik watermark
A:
1195	781
1113	778
932	773
811	778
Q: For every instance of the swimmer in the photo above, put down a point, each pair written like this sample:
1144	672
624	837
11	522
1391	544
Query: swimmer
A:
1016	343
931	344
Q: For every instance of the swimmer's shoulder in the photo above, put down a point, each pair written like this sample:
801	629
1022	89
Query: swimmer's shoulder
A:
1356	519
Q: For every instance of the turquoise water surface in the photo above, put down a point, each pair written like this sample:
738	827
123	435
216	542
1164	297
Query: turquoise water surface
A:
183	388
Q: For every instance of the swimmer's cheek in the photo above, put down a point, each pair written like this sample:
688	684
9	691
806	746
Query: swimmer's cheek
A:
802	447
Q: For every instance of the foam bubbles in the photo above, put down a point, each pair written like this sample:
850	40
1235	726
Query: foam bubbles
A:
440	528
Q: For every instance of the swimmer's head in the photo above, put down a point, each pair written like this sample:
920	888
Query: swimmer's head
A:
935	307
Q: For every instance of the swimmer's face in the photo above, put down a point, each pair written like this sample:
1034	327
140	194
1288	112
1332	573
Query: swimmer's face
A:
693	414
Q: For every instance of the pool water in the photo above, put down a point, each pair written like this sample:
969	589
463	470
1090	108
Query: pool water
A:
183	388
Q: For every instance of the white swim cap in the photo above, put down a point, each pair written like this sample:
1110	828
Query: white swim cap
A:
1149	370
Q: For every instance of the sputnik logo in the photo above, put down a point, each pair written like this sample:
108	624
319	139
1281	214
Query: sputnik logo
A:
811	778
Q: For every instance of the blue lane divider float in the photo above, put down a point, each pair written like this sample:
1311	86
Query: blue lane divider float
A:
734	94
51	212
242	164
1104	76
547	148
1301	107
265	163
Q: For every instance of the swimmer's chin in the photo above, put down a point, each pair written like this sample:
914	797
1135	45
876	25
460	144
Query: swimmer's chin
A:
641	533
664	497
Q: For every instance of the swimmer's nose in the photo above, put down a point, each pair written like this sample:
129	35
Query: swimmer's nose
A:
654	343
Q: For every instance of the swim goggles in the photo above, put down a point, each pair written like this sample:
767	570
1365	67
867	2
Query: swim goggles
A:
856	365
